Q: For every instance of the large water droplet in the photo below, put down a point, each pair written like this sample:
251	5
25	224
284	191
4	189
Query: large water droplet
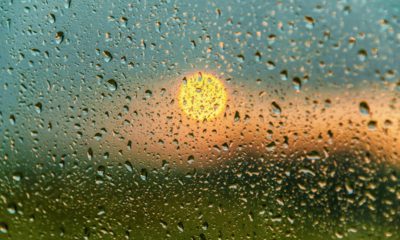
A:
112	85
364	108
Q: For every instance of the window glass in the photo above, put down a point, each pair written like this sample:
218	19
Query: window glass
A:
199	119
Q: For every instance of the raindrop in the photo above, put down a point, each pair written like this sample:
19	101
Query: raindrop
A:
309	22
205	226
35	52
123	21
352	41
17	176
270	65
107	56
364	108
101	211
98	136
108	37
38	107
149	94
12	208
276	109
100	171
3	227
347	9
143	174
297	84
271	146
271	38
240	58
128	166
225	147
284	75
190	159
349	188
257	56
362	55
112	85
59	37
90	154
67	3
12	119
372	125
236	117
51	18
180	227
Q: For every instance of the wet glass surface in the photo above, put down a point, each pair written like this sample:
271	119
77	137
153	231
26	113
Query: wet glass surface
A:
199	120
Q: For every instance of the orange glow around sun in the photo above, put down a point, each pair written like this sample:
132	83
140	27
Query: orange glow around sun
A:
202	96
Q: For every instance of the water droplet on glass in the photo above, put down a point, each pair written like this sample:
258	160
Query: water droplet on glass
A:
90	154
240	58
128	166
12	119
190	159
3	228
123	21
276	109
67	3
149	94
38	107
297	84
236	117
284	75
143	174
372	125
364	108
12	208
107	56
17	176
59	37
112	85
180	227
51	18
362	55
309	22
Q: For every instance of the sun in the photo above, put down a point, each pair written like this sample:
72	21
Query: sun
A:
202	96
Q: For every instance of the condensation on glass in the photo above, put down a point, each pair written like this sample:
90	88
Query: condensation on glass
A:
199	119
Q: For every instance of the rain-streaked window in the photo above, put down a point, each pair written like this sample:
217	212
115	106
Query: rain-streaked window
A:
176	119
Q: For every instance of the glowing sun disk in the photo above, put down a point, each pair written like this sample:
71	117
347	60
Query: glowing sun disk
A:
202	96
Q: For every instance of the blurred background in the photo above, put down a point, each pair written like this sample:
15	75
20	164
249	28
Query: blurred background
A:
94	144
